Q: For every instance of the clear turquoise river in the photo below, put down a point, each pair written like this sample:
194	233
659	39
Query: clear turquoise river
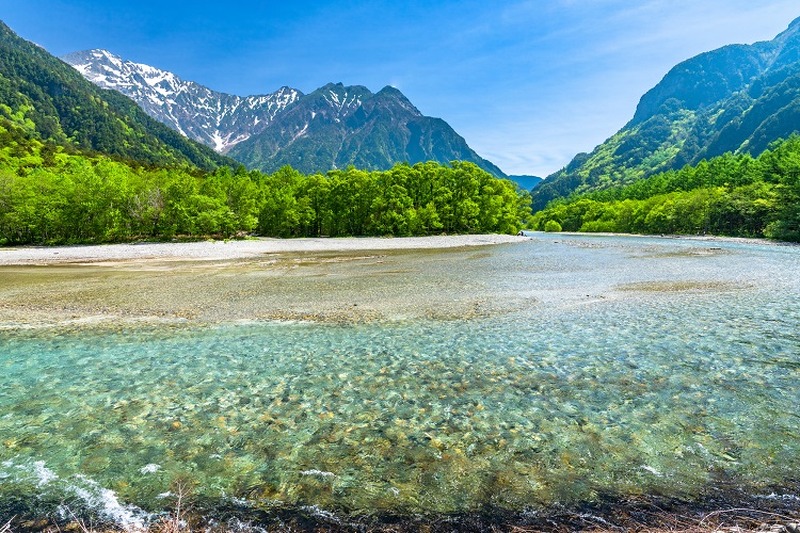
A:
559	370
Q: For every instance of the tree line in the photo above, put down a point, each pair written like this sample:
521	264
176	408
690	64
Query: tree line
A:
50	196
734	195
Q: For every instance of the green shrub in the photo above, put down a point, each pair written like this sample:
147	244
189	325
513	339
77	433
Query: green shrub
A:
551	226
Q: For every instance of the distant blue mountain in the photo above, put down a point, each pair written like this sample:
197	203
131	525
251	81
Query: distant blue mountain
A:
526	182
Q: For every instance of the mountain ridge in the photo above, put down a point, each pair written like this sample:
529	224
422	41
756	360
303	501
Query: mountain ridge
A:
216	119
332	127
526	181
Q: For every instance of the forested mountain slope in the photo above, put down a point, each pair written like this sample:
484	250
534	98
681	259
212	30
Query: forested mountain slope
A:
337	126
739	99
56	104
735	195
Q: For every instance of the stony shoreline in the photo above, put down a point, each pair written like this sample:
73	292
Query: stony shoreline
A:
235	249
701	238
364	280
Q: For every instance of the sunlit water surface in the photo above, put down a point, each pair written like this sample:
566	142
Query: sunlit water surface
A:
601	366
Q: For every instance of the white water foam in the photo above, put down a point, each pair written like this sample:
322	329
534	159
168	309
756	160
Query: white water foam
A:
105	502
652	471
151	468
319	473
321	513
30	471
93	496
44	474
782	497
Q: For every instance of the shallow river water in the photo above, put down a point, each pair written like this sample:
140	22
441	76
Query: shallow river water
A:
559	370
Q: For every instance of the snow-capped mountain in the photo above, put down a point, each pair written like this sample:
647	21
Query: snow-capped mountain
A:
216	119
332	127
65	110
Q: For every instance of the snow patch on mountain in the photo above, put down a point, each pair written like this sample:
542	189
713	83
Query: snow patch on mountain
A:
216	119
300	133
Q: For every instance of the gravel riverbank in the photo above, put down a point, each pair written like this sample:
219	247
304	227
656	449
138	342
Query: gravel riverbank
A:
221	250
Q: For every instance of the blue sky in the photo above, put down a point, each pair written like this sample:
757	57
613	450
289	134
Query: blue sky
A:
528	83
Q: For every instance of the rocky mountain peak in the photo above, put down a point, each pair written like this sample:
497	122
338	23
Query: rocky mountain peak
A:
216	119
332	127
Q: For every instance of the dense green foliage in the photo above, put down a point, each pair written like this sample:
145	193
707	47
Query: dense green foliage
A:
49	196
735	195
735	99
59	106
79	164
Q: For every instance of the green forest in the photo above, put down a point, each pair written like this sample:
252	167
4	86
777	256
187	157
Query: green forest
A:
733	195
50	194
